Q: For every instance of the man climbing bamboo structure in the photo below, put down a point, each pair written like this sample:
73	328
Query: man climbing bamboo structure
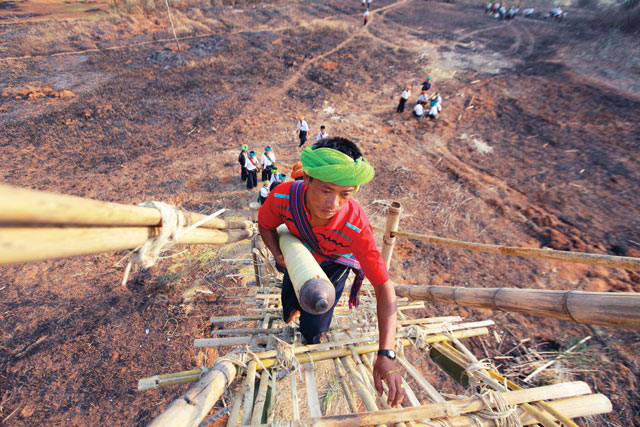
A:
320	211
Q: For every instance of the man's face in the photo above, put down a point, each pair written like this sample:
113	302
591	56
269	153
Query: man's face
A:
325	199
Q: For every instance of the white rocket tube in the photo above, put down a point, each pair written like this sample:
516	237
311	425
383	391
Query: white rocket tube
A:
315	293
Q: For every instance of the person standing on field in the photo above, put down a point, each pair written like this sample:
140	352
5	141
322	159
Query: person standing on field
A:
303	129
403	99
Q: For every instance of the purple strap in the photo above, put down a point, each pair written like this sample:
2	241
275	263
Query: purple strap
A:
296	195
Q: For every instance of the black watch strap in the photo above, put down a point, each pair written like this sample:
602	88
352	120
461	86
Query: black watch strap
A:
389	353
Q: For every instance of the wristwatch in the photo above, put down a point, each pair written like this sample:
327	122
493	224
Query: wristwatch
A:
389	353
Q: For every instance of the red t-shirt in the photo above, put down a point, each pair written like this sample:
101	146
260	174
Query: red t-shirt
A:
348	232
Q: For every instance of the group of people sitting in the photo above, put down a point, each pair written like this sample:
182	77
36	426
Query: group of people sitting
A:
431	106
425	105
501	11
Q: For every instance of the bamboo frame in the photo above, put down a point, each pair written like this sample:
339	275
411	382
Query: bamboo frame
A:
24	206
619	309
629	263
389	240
312	390
37	244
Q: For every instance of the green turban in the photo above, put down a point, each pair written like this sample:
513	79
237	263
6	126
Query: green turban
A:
329	165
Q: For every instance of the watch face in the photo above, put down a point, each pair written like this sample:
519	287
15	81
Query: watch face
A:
392	354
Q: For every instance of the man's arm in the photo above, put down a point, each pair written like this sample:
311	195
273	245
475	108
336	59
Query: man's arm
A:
385	368
272	241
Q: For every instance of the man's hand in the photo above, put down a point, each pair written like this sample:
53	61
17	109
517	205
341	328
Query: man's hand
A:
386	370
280	260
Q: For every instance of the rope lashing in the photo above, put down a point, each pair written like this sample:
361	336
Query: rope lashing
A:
286	356
172	224
498	410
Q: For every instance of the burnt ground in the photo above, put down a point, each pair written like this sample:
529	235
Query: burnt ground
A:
529	150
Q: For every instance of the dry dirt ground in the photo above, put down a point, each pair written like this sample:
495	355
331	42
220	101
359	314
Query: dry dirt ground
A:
537	145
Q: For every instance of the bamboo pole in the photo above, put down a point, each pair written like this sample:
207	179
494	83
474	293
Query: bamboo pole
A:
339	352
256	243
422	382
165	380
249	385
193	406
24	206
313	289
619	309
572	407
37	244
389	240
446	409
235	410
261	398
341	375
312	390
629	263
294	397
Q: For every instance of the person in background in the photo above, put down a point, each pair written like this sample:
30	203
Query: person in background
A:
267	160
242	159
252	170
281	178
366	16
303	128
424	97
274	174
322	134
406	93
426	85
418	110
296	171
264	192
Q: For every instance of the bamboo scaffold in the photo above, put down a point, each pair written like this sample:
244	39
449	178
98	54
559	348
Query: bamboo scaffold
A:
282	381
37	226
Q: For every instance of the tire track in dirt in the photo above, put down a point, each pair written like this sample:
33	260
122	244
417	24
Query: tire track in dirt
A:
530	40
363	29
515	46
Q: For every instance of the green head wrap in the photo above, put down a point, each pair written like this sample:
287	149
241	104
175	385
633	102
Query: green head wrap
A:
329	165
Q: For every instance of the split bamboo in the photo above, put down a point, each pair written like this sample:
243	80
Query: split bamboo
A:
261	398
170	379
37	244
249	385
256	243
629	263
24	206
445	409
193	406
312	390
232	421
389	240
619	309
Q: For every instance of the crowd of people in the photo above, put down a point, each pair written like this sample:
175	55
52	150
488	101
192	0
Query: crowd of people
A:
502	11
425	105
271	175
